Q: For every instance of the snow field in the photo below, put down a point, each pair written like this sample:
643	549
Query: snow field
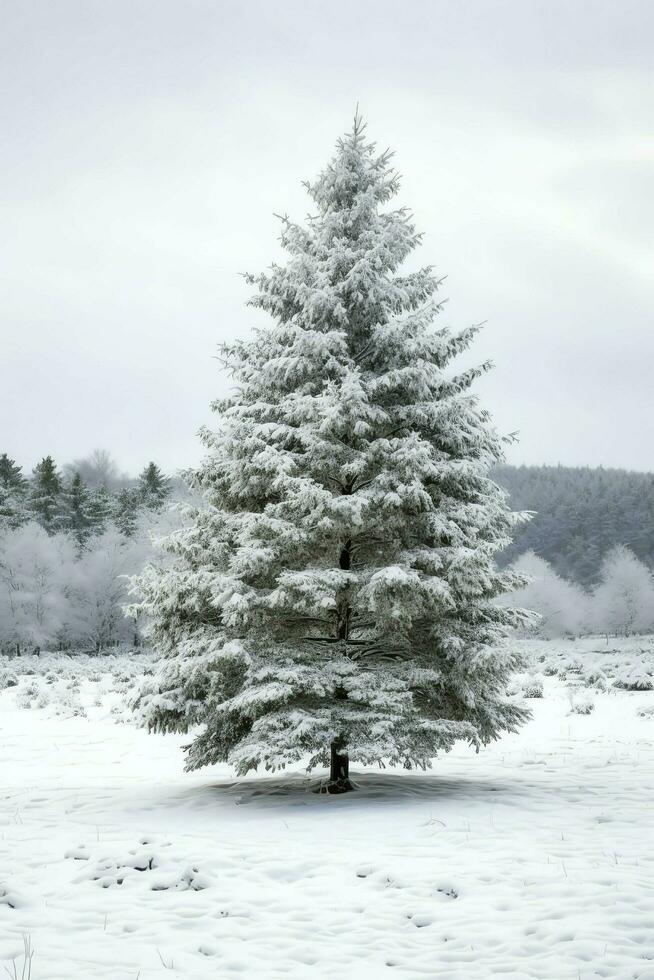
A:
530	859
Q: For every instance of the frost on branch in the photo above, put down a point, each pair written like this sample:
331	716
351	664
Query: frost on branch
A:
339	587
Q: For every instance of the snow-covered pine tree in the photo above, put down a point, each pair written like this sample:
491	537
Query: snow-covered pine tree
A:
335	600
154	487
45	495
13	494
77	510
101	507
11	474
126	510
12	509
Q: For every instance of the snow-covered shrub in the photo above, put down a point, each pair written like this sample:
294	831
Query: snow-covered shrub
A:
581	703
635	677
595	677
27	694
8	678
570	667
532	686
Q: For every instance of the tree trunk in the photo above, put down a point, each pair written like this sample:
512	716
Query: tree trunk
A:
339	770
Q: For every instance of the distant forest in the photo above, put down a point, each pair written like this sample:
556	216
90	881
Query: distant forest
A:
581	514
70	537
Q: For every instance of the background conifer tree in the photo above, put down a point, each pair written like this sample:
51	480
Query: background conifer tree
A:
101	506
13	494
126	510
11	475
45	501
154	487
336	598
78	517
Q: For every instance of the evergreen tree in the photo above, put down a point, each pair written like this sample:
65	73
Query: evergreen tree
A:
336	598
154	487
11	475
13	494
45	495
101	507
12	509
126	510
77	510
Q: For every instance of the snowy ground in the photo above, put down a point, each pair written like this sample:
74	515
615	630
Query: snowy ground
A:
531	859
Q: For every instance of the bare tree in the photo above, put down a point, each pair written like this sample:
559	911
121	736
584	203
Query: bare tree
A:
98	469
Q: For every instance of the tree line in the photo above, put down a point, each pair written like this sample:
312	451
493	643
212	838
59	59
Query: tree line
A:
581	515
67	502
588	547
70	538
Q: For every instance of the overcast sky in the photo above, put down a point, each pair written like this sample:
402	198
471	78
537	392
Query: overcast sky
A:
146	145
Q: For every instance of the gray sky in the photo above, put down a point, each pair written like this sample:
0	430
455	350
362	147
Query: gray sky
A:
145	146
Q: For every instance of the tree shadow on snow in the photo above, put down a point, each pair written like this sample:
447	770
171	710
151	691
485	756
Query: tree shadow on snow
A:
299	789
